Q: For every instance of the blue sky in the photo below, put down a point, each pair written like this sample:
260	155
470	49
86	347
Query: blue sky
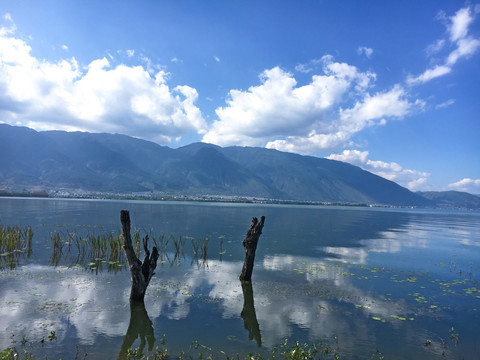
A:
390	86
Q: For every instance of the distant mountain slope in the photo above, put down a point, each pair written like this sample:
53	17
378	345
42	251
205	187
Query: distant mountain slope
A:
452	199
117	163
312	178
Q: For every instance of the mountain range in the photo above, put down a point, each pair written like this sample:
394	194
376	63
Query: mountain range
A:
113	163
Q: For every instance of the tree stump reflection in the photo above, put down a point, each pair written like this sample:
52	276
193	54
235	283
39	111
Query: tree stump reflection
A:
140	326
249	314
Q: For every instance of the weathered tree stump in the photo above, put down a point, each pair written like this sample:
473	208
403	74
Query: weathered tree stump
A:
250	245
141	272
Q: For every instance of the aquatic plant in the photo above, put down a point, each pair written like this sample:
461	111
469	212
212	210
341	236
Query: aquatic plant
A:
199	247
92	251
178	245
15	241
96	251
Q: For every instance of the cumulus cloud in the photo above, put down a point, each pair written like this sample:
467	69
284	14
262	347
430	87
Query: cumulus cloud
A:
282	115
98	98
464	45
467	185
411	179
369	111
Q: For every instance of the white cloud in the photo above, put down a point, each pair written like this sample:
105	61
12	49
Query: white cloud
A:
8	17
466	47
458	26
279	114
458	35
369	111
467	185
429	74
311	65
392	103
436	47
64	47
411	179
365	51
303	68
216	58
130	52
99	98
445	104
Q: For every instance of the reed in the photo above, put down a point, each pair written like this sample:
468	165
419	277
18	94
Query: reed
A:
91	251
57	248
15	241
57	242
96	251
137	241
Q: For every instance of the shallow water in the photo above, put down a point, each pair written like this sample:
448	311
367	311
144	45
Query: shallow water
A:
375	279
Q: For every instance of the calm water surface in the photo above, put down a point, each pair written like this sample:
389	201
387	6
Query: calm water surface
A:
375	279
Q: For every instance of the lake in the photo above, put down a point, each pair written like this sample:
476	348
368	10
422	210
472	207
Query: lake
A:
403	283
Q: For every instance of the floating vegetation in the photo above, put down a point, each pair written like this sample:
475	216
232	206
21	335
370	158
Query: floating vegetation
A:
15	243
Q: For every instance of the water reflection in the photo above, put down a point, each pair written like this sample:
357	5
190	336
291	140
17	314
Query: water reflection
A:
140	326
305	299
249	314
373	278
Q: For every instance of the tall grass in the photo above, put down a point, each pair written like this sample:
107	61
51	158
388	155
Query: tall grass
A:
15	242
93	252
96	252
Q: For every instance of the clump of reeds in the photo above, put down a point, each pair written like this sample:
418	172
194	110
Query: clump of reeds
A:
14	241
200	249
92	251
57	244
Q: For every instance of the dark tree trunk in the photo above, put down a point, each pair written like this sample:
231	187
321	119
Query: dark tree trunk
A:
250	245
141	273
249	314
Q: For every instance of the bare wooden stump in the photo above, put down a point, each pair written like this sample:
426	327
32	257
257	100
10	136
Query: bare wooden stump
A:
250	245
141	272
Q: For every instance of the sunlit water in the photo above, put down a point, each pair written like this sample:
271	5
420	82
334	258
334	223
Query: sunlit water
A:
392	280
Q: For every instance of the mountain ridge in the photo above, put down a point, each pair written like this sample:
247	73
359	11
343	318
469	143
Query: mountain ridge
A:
114	163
